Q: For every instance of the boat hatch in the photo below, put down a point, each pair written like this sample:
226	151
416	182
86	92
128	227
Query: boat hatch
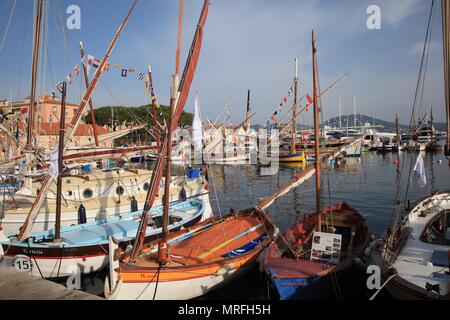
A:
156	222
440	258
438	230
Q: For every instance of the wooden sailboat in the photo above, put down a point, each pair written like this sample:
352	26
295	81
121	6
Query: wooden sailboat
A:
191	262
103	194
53	253
293	155
202	258
25	231
413	254
302	262
86	245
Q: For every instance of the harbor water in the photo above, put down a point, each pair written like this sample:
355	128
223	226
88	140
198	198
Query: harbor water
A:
369	184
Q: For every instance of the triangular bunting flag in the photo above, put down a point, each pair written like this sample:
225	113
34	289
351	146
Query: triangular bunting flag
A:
59	86
76	69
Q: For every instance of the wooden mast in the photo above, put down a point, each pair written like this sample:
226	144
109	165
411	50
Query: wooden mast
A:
247	113
316	134
294	111
28	223
397	131
162	245
155	119
183	92
34	67
62	128
91	107
445	8
431	126
180	29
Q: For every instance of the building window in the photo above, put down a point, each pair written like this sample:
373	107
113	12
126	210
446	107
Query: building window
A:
54	109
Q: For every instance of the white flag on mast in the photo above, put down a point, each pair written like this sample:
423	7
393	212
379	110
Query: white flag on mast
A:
53	169
419	169
11	152
197	127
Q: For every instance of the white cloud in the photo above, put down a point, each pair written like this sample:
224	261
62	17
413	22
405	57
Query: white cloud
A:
417	49
394	12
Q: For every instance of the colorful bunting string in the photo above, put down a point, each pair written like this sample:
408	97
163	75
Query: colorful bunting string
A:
90	61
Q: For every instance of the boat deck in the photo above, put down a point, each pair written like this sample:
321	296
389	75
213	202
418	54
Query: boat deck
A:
213	244
413	260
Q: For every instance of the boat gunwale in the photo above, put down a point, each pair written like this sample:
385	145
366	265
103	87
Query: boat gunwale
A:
199	204
270	229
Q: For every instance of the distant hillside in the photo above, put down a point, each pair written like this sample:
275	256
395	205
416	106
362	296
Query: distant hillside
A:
134	115
361	120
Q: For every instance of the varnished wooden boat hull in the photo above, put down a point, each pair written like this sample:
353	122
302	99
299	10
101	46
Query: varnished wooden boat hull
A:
190	280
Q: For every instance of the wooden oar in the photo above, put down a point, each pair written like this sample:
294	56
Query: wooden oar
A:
207	253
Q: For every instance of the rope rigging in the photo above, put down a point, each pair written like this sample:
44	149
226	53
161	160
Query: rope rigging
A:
7	25
420	80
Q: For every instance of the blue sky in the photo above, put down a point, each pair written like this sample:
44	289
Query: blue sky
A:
247	44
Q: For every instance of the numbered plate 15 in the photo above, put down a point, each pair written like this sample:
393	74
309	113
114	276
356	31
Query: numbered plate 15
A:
22	263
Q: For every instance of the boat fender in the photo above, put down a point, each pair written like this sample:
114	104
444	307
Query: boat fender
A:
368	251
81	214
183	196
276	232
224	269
111	295
359	263
3	236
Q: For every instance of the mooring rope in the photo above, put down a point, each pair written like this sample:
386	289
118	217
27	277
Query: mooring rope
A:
384	284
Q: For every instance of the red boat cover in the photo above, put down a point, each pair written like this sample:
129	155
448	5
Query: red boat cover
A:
290	268
217	239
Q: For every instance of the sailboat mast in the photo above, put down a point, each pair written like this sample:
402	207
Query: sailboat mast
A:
62	128
340	112
294	110
34	67
431	125
316	134
445	8
247	113
91	107
112	119
182	94
29	221
180	29
397	131
155	120
162	245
